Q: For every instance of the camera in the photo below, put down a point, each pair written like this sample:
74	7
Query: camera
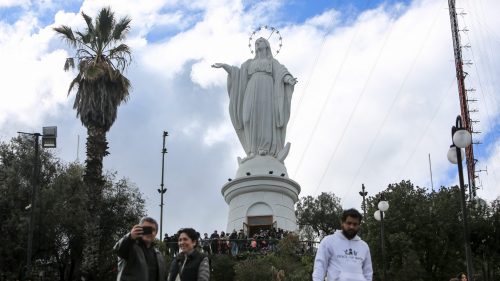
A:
147	230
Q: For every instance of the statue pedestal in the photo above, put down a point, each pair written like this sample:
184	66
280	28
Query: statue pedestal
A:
260	199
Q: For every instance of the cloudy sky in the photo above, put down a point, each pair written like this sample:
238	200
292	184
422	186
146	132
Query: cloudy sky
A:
377	93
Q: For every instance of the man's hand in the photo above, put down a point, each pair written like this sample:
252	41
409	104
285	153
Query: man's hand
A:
136	231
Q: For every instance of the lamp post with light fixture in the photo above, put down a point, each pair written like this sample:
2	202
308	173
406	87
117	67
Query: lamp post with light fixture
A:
49	137
461	139
363	194
383	206
162	189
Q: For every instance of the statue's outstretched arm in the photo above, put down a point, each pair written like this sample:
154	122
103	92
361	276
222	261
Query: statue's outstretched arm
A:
226	67
289	79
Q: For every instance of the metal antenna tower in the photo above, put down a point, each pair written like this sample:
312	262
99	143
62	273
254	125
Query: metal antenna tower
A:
462	92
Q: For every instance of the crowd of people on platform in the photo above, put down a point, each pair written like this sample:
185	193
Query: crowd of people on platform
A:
342	255
263	241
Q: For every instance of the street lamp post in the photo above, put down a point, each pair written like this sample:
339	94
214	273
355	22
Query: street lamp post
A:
48	141
162	189
461	139
363	194
383	206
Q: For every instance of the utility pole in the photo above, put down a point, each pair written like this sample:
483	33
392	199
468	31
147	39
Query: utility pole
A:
162	189
34	188
48	141
363	193
382	236
468	253
462	92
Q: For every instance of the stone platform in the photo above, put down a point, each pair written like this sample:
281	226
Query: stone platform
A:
261	190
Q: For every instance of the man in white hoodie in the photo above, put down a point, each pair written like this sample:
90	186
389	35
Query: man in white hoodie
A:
343	256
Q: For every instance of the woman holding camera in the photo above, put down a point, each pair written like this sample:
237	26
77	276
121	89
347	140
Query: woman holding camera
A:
189	264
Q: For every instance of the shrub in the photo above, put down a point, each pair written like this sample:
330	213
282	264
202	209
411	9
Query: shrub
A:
285	264
222	268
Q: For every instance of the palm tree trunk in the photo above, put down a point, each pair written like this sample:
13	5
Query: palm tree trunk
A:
97	149
94	181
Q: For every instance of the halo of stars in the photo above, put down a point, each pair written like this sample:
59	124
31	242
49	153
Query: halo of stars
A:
272	30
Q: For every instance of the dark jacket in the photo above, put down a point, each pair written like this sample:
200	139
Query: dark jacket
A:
192	270
132	263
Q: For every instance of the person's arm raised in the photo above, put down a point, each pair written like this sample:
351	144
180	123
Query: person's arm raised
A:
122	247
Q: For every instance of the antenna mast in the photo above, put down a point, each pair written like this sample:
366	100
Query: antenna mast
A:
462	92
430	170
78	150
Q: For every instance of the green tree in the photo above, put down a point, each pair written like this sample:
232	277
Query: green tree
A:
322	214
424	234
16	174
60	214
100	89
417	247
485	234
493	253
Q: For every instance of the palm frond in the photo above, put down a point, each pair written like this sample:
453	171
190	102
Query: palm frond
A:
85	38
121	54
70	63
74	82
66	34
90	25
121	63
84	54
105	23
86	41
121	28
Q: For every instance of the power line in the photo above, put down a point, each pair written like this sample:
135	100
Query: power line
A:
424	133
296	111
480	82
396	97
334	83
355	107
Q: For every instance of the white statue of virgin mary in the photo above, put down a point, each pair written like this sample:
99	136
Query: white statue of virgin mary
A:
260	94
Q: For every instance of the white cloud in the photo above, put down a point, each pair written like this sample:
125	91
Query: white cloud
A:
375	96
33	84
489	180
325	20
14	3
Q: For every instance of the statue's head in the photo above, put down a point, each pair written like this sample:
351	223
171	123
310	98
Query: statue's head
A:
263	46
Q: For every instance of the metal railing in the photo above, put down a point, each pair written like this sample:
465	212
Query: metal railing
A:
242	246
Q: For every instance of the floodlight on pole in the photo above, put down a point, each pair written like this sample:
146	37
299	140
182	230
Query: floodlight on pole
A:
49	137
48	141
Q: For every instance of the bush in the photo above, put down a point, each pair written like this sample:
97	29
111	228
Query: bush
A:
255	269
222	268
287	263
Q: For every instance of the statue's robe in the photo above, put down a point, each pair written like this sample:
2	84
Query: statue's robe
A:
259	106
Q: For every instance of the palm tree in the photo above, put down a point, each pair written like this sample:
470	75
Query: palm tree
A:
100	88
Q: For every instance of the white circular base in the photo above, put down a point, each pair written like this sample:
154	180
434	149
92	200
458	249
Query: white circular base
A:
261	195
261	165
